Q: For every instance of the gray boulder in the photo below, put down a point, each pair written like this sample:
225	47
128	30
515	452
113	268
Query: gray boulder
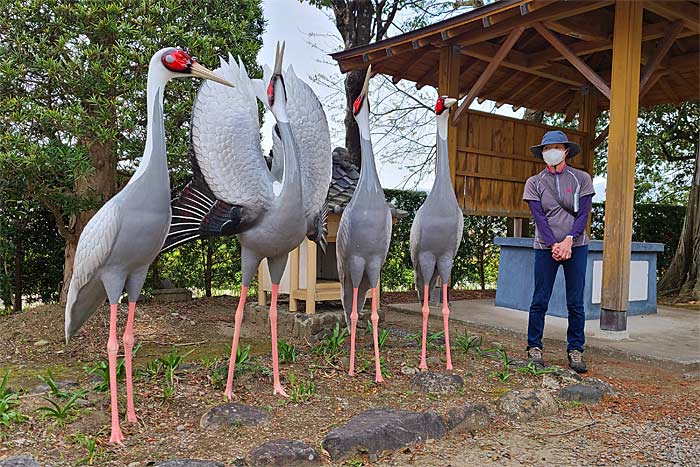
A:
231	414
284	453
377	430
188	463
527	404
437	383
469	417
19	461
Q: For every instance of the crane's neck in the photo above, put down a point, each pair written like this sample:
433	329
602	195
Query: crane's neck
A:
291	178
443	177
154	156
369	179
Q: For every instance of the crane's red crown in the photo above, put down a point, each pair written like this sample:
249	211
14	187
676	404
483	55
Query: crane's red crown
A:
440	105
177	60
271	89
357	105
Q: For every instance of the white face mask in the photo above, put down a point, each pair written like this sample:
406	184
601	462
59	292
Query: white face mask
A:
553	156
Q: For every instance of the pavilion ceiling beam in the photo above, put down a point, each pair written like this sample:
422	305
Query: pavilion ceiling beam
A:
573	107
683	11
587	31
410	63
489	71
653	63
475	65
650	32
579	64
517	60
549	12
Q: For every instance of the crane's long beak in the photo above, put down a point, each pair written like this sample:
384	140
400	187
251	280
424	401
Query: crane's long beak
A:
200	71
279	56
450	101
368	76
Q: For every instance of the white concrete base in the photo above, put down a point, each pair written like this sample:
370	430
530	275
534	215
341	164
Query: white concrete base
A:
612	335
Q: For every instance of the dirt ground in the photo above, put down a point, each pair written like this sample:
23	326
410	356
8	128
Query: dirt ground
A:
653	420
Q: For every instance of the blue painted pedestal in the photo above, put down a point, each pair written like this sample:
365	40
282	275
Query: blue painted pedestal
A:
516	281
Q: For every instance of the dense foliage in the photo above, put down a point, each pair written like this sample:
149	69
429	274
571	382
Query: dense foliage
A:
72	88
650	223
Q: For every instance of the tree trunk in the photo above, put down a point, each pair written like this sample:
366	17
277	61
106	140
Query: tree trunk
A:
682	279
19	260
354	22
102	183
533	115
353	86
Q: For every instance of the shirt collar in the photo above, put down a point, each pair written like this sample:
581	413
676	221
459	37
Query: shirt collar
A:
553	171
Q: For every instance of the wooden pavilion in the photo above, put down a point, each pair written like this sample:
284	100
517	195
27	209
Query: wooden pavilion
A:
570	57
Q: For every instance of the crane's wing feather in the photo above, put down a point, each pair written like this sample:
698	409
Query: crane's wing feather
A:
310	128
226	141
86	291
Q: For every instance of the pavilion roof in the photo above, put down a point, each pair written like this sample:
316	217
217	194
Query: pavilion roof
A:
534	73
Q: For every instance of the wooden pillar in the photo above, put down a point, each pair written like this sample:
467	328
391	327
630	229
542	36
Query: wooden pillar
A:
622	145
262	298
448	85
293	278
310	277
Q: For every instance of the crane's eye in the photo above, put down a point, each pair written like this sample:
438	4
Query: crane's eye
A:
357	105
177	60
440	106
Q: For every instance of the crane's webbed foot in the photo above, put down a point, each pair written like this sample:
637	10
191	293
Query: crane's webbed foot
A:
117	437
279	390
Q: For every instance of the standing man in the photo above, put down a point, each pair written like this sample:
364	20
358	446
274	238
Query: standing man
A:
560	199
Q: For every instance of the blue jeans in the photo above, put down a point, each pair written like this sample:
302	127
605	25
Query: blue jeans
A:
546	269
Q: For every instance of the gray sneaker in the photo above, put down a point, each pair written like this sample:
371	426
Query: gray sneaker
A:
534	355
576	361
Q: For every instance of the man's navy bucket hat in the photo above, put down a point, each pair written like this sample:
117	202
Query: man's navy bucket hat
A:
556	137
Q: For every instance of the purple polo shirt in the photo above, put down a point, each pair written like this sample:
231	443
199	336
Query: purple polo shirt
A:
542	188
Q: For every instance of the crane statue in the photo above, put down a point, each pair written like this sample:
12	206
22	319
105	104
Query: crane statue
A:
437	231
123	238
234	193
363	236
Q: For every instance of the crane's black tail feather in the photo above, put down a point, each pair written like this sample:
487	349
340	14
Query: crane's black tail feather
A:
196	213
320	233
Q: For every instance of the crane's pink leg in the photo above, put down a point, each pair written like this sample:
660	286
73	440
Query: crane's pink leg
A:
112	349
375	331
128	339
353	328
234	345
445	320
278	389
426	311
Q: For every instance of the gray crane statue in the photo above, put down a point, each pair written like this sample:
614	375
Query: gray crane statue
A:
233	191
123	238
437	232
363	236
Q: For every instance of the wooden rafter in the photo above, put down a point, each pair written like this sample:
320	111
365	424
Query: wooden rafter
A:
573	107
410	63
432	70
587	31
683	11
653	63
517	60
488	72
600	138
579	64
552	12
650	32
475	65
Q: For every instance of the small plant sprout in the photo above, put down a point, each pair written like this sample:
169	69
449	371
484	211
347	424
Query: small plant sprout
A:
467	342
53	386
534	370
90	443
300	391
501	375
8	404
331	347
430	340
287	352
60	412
101	370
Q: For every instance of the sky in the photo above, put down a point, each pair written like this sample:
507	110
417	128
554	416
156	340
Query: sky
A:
309	34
